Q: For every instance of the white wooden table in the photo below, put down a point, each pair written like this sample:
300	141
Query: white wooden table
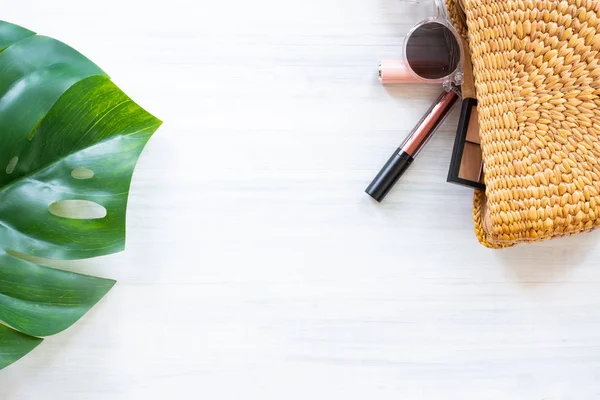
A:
256	267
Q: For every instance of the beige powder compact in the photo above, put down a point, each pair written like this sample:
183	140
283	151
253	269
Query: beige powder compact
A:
466	165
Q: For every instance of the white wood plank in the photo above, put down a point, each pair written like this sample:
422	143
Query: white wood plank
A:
256	267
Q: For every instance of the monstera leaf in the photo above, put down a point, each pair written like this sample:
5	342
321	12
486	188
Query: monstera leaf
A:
69	142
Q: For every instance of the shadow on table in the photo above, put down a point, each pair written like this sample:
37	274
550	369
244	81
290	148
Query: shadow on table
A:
548	261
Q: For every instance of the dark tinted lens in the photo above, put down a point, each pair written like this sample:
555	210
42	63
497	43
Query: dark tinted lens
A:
432	51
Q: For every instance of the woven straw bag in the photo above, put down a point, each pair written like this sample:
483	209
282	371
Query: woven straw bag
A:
536	66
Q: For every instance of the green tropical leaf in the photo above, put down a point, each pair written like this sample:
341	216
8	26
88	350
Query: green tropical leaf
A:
14	345
10	33
69	142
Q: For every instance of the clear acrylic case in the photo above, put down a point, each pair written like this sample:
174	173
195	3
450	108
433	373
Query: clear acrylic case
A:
454	77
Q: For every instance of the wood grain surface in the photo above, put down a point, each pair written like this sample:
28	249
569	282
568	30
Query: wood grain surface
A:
256	267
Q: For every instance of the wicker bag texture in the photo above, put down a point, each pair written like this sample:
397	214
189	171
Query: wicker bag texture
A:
536	65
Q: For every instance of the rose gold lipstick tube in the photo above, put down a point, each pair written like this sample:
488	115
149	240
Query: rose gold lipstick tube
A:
411	146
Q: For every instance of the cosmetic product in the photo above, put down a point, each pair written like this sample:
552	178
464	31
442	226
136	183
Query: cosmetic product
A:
466	166
395	71
400	71
412	145
432	53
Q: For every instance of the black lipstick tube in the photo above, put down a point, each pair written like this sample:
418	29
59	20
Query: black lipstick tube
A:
399	162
